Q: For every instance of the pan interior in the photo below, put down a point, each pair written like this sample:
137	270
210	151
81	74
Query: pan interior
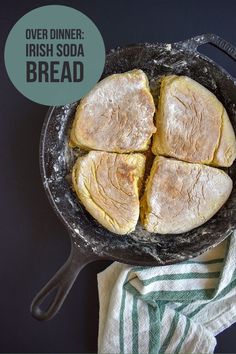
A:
139	247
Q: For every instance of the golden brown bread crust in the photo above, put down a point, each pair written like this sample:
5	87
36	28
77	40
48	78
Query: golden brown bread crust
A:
192	124
180	196
116	116
107	185
225	154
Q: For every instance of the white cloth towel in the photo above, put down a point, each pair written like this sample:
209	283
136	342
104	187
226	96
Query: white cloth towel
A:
168	309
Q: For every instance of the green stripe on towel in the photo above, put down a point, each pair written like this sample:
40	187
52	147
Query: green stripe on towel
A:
135	326
154	329
187	326
180	276
170	333
176	296
121	329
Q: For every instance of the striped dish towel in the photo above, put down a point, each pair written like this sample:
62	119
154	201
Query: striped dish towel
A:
168	309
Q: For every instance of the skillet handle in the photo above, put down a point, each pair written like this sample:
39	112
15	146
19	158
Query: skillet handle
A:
218	42
62	283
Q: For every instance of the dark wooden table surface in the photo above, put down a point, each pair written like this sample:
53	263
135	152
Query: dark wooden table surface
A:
34	244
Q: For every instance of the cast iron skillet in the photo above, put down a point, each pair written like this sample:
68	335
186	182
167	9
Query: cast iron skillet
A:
89	240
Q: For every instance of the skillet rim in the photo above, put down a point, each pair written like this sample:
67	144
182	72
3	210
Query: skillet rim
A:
56	208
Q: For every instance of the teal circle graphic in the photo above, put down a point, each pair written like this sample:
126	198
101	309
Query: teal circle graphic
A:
54	55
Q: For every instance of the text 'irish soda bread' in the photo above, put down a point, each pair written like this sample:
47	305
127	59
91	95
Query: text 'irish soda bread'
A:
108	184
180	196
116	115
192	124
